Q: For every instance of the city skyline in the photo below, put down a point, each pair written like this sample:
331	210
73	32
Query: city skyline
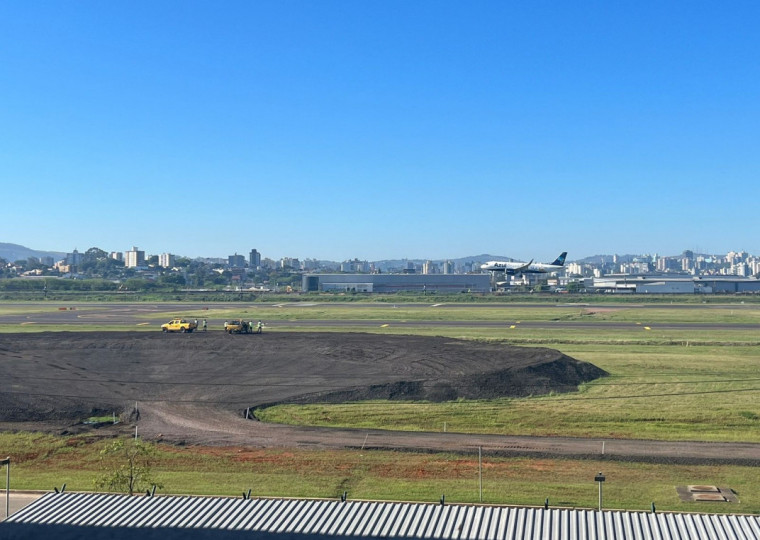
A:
137	253
344	130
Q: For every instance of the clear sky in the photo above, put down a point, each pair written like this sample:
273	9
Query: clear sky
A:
380	129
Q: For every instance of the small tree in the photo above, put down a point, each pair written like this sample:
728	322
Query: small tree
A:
126	466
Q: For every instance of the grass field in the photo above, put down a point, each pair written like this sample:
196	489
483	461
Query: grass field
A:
654	392
44	462
672	384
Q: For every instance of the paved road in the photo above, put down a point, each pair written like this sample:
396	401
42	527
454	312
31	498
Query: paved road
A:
18	500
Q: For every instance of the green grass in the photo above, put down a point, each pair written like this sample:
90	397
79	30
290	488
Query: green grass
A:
106	419
654	392
45	461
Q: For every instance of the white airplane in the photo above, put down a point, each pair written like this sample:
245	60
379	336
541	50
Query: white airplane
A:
516	267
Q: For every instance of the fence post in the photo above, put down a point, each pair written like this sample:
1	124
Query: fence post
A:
480	471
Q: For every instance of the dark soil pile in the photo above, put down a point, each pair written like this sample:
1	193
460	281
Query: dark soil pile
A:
71	376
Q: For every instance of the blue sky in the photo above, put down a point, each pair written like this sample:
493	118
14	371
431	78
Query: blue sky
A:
393	129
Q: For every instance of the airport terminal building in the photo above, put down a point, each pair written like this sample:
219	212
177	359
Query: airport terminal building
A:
390	283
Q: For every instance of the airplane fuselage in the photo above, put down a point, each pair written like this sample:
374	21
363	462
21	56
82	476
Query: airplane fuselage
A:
519	268
515	267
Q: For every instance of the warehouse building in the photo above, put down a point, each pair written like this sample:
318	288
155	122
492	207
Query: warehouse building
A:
727	284
390	283
76	515
665	284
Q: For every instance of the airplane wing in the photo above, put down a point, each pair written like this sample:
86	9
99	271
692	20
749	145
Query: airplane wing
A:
523	268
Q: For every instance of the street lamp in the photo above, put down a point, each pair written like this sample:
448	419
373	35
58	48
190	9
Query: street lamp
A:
7	463
600	478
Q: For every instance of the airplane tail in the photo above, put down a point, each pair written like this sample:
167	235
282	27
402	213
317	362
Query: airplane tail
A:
560	261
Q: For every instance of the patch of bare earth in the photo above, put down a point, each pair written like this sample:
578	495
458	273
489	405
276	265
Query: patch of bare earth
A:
196	388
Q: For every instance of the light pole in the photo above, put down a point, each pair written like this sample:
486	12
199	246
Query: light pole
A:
600	478
480	472
7	463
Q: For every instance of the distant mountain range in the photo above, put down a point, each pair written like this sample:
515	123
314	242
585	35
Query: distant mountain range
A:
400	263
601	259
15	252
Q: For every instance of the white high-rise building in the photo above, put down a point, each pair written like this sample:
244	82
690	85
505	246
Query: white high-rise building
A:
166	260
134	258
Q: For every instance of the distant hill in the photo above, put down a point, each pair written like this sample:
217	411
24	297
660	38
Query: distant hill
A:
474	259
15	252
485	257
601	259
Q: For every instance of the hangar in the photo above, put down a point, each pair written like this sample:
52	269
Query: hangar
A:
390	283
727	284
670	284
92	515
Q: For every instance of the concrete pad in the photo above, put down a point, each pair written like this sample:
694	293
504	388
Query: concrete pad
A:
18	500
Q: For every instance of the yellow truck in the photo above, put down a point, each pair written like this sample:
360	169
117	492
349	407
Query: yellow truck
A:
179	325
237	326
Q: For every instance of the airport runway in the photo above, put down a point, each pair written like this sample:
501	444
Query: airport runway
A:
134	315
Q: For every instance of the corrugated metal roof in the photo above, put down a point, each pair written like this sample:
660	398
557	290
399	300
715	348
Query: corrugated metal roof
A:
376	519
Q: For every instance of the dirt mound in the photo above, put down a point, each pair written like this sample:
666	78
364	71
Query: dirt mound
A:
58	376
535	372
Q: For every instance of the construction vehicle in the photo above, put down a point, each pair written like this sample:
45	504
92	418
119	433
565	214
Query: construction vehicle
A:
238	326
179	325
